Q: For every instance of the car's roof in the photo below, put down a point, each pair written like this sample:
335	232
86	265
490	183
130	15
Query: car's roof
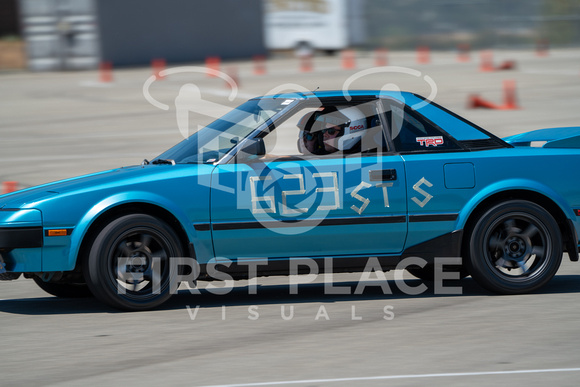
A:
398	95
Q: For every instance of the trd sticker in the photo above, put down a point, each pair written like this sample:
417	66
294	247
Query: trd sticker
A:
428	141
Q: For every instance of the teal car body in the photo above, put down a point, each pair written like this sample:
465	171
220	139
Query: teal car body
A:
226	199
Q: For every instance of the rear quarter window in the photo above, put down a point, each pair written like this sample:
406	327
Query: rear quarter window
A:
410	132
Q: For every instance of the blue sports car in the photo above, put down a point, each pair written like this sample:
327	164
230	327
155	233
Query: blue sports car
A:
285	182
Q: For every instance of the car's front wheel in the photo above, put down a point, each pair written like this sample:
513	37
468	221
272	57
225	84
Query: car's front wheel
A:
515	247
129	263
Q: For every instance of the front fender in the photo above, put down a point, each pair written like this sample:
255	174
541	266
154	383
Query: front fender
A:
108	203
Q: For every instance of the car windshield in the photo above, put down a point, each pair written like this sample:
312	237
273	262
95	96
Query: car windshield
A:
212	142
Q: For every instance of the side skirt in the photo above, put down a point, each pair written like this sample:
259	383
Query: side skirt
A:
447	245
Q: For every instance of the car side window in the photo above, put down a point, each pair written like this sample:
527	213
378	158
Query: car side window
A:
327	132
410	132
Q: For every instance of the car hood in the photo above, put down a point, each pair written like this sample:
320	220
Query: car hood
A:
113	179
568	137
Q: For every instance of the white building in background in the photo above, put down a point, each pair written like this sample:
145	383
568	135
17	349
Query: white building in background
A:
307	25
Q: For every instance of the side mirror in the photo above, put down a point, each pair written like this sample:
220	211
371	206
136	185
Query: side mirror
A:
253	149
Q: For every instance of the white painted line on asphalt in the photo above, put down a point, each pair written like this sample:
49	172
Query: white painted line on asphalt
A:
371	378
574	73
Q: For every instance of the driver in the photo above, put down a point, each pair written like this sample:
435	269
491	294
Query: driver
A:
343	129
310	140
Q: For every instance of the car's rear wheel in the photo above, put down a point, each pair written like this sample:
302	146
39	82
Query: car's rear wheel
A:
129	263
515	247
63	290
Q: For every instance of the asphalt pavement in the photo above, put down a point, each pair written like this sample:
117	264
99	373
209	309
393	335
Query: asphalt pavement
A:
59	125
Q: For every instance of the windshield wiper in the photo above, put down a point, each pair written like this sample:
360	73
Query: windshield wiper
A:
163	161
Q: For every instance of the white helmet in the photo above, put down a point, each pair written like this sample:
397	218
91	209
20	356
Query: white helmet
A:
355	123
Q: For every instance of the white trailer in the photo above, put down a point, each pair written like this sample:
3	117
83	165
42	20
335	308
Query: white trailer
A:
306	25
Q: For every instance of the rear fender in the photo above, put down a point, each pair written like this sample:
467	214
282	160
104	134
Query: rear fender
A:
520	185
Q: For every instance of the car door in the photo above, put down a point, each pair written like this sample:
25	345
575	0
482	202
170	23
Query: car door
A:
440	175
288	204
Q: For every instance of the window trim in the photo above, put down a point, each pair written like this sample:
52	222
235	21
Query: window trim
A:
300	104
423	120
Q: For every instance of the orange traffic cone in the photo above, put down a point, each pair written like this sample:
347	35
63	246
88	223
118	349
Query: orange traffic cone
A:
212	63
158	65
9	186
509	95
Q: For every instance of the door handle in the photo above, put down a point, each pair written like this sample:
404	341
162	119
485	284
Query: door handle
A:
383	175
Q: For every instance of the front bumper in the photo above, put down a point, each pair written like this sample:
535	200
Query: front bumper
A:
21	240
20	237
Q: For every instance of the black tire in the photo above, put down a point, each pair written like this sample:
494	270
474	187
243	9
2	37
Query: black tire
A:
143	245
64	290
514	248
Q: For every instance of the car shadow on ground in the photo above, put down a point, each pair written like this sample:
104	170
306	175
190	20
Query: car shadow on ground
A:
280	294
